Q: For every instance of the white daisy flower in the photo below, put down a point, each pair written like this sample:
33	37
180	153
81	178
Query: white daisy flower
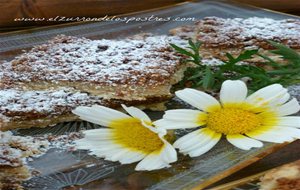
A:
245	121
126	139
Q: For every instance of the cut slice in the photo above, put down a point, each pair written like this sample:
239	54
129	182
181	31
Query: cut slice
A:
220	36
25	109
129	70
286	177
13	153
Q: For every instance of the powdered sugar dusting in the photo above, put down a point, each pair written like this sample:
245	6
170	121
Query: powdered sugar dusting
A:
15	102
15	149
254	31
108	62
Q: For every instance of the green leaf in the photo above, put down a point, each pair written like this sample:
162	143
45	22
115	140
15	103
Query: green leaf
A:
248	54
230	57
286	52
208	79
181	50
270	62
212	77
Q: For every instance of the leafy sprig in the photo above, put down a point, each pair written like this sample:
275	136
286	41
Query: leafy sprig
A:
210	77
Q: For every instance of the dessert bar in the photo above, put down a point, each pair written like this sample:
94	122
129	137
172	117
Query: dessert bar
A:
13	153
220	36
130	69
41	108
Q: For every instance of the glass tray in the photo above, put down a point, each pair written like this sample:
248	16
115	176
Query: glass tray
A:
61	169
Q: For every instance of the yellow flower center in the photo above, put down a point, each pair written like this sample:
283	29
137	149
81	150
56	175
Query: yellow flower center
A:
233	121
131	134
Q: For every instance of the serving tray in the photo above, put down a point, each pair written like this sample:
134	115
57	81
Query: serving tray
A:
61	169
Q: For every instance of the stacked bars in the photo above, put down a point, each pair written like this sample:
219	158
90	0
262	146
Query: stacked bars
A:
41	108
220	36
41	87
25	109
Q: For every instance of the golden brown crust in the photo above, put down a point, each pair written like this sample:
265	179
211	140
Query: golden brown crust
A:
286	177
25	109
220	36
13	152
149	62
223	33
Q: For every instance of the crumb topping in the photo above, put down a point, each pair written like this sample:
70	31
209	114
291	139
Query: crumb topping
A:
148	61
250	32
15	149
17	103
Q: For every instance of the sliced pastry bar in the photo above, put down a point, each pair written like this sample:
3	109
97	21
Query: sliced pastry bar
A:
41	108
14	150
286	177
25	109
220	36
130	69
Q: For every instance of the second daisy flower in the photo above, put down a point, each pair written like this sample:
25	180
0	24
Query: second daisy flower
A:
245	121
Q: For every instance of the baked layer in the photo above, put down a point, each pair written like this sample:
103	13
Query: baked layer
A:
13	153
11	178
121	69
25	109
119	91
220	36
286	177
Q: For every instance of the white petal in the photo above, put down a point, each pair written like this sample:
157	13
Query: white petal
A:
168	153
85	113
185	115
98	134
233	91
290	121
156	129
198	99
109	150
110	154
136	113
151	162
243	142
131	158
205	148
86	143
194	138
116	156
169	124
274	100
288	108
125	156
280	101
272	135
264	94
108	112
293	132
99	114
198	142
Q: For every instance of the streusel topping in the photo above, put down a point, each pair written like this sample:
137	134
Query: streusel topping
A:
148	61
253	31
18	103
